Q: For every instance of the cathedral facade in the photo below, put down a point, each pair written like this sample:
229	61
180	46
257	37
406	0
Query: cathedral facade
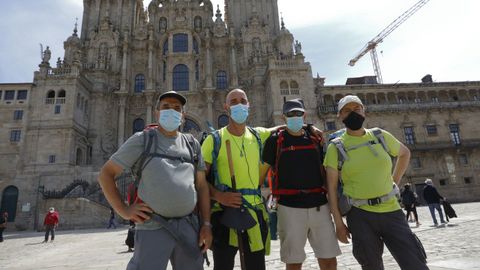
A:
82	107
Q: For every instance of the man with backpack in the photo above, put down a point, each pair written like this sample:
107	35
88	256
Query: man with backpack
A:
298	186
172	174
363	157
246	146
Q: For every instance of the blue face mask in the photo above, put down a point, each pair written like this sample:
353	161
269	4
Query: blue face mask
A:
295	123
170	119
239	113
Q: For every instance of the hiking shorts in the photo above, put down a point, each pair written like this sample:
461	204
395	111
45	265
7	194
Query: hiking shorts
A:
154	248
296	225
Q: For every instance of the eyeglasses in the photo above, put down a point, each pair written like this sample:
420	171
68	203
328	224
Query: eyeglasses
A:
294	113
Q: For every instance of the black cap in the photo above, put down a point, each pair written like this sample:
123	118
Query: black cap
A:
293	105
173	94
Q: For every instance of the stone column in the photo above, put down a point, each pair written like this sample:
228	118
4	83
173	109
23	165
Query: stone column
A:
149	104
233	61
123	84
209	95
121	117
150	82
208	64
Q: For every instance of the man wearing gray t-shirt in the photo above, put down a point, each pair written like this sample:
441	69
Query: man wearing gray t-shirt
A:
169	190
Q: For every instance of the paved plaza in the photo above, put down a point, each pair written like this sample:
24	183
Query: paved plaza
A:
455	246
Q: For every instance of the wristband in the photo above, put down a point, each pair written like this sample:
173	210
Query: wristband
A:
207	224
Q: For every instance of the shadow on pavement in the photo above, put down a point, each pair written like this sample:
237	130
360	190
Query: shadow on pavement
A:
33	244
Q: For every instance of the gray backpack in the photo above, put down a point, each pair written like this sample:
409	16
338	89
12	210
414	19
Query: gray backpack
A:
344	202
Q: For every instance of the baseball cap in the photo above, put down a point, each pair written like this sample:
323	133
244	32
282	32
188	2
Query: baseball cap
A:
293	105
348	99
173	94
51	209
428	181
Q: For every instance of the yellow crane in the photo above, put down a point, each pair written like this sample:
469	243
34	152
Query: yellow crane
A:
372	44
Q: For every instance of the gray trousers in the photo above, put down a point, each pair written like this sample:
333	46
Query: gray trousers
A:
370	231
154	248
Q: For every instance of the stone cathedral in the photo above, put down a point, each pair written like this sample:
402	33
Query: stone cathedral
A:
57	132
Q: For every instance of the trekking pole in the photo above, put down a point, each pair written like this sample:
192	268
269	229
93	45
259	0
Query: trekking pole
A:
234	189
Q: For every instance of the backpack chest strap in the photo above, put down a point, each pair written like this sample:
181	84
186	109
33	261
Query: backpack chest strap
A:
297	147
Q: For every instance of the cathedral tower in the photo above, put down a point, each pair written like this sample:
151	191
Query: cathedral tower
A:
238	13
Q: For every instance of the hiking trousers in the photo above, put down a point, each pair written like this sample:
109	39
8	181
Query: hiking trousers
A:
370	231
154	248
224	254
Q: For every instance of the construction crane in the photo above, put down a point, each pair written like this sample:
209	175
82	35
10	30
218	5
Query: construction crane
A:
372	44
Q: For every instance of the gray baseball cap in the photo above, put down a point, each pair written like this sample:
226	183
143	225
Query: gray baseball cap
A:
173	94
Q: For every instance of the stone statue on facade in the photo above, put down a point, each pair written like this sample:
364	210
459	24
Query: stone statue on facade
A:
298	47
47	54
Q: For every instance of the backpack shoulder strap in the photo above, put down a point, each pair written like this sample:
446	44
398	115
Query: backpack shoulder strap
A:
192	148
377	132
341	152
259	141
149	141
217	142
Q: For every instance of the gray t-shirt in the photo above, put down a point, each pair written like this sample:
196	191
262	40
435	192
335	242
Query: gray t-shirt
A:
167	185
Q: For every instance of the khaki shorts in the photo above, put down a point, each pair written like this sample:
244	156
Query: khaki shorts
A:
296	225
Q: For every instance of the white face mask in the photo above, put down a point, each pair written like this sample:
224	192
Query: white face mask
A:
170	119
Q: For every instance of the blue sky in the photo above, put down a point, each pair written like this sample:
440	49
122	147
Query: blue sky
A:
442	38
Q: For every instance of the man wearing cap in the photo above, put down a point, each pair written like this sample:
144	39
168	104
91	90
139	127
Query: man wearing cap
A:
298	186
169	190
432	197
364	158
50	222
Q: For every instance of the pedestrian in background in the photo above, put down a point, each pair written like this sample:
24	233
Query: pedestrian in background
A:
51	223
3	224
409	199
432	197
111	222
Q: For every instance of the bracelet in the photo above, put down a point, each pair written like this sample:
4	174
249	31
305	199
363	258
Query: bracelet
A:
207	223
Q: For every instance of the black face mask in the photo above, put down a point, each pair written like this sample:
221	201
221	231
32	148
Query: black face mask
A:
354	121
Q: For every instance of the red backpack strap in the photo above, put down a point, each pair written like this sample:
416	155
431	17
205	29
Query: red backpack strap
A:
280	139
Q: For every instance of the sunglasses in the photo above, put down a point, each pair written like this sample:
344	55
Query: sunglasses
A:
294	114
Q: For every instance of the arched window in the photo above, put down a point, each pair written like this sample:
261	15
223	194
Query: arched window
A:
222	82
138	125
195	46
191	127
9	202
294	88
180	78
180	43
61	94
139	83
51	94
165	47
79	157
223	121
284	88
